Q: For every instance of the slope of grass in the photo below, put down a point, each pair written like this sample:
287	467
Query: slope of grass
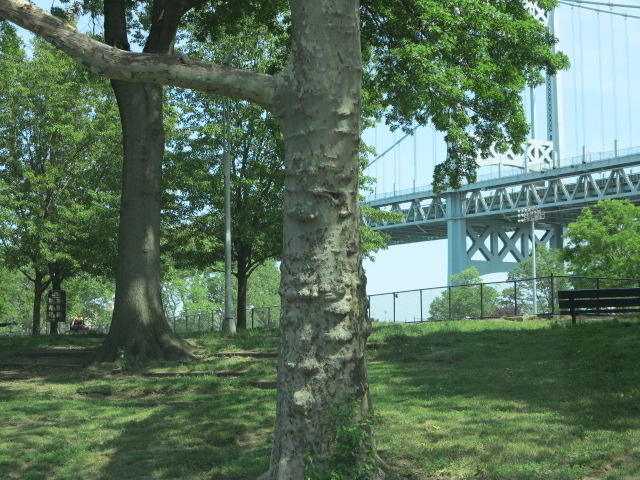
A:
458	400
503	400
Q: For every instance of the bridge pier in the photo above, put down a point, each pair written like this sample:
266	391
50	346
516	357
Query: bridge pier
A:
495	246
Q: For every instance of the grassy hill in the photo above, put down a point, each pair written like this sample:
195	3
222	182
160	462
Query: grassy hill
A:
454	400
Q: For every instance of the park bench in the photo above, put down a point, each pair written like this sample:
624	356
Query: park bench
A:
599	301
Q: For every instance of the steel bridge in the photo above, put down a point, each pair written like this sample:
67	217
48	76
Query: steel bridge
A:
479	220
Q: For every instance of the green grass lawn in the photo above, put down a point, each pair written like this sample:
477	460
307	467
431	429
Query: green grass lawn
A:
453	400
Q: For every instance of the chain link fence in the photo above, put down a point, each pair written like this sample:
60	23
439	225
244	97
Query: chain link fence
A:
483	300
257	317
459	302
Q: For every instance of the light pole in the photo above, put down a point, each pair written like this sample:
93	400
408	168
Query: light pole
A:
228	324
531	214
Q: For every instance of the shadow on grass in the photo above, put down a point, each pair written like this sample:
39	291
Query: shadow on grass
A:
559	400
225	435
231	441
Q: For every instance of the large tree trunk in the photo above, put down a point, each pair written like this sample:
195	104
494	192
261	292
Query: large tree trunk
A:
139	326
322	362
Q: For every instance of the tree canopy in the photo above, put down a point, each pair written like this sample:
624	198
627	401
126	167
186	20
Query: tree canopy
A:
604	241
59	157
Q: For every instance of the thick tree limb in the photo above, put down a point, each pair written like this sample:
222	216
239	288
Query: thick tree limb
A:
176	70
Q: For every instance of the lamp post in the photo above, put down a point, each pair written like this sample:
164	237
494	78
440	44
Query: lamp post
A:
228	324
531	214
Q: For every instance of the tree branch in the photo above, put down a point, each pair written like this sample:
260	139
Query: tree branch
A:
110	62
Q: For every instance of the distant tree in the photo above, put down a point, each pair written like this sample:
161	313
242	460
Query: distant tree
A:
465	298
59	154
191	291
256	150
604	241
16	298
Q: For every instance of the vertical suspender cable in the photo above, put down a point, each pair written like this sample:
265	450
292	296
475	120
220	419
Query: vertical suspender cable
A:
615	83
582	102
395	163
375	143
601	85
575	85
415	158
626	49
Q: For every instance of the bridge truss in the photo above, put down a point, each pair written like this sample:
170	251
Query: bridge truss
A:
480	220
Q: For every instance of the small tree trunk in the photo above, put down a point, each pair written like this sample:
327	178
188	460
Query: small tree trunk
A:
242	279
322	363
39	287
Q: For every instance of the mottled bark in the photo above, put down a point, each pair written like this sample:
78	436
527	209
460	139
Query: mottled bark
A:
322	361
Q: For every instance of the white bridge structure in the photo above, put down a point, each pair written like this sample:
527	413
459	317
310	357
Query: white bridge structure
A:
479	220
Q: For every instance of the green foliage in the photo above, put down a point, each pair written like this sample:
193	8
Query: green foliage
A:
91	297
605	240
15	299
464	298
353	455
460	65
59	157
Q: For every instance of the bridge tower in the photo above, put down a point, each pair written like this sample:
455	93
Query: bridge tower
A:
495	240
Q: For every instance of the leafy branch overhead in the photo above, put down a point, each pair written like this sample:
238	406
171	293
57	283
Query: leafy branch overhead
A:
461	65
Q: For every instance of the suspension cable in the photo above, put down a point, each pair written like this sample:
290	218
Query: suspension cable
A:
626	49
575	81
614	78
600	79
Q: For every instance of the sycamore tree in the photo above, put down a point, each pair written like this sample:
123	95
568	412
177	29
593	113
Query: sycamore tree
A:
59	150
604	241
317	99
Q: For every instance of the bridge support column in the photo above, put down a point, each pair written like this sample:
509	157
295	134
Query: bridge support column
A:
456	235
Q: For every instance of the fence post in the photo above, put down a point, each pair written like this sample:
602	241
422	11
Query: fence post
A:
553	295
515	298
421	306
481	302
395	295
449	290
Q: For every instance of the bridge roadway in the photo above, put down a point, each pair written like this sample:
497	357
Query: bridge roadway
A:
479	220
